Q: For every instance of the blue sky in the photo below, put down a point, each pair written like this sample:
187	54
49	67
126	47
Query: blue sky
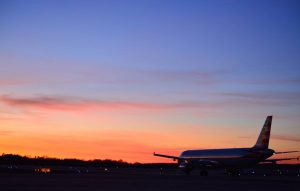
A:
235	61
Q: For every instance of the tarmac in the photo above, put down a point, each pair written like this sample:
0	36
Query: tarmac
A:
148	179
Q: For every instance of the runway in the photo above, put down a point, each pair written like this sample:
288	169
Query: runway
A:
146	179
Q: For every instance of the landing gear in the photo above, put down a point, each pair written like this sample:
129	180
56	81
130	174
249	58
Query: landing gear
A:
203	172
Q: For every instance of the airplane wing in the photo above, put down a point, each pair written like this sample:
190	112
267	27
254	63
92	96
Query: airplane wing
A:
202	162
282	159
286	152
168	156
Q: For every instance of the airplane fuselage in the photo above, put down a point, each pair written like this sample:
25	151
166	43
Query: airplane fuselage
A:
235	157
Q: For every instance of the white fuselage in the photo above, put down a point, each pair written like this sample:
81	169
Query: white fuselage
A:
227	157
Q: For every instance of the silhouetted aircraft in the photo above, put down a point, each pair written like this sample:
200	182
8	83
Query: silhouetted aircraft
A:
232	159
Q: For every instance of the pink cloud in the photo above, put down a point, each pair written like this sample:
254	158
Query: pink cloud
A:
12	82
71	103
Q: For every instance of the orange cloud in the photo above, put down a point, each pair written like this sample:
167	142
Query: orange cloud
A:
5	133
277	137
286	138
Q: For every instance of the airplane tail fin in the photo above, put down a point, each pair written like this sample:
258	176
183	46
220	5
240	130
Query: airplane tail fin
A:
264	136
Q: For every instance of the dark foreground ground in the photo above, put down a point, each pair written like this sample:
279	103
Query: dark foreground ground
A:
150	179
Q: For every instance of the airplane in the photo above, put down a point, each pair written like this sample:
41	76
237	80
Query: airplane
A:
232	159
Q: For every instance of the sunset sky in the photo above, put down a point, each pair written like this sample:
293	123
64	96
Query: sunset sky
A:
122	79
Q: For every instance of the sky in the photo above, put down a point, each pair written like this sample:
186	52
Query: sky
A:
123	79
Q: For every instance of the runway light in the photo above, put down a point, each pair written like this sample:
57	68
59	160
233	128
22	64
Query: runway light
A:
43	170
